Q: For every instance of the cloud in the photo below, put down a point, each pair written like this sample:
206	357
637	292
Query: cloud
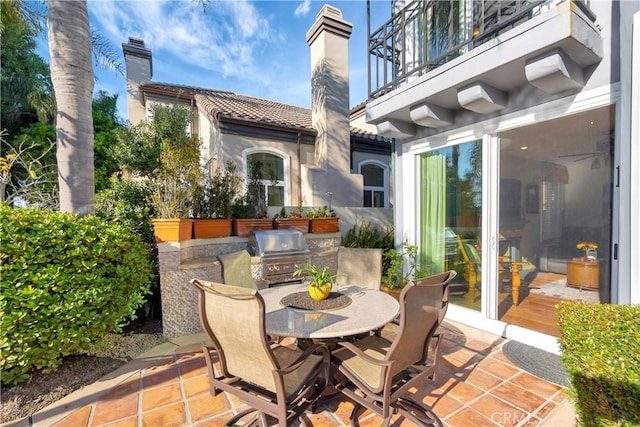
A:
251	48
226	38
303	8
250	23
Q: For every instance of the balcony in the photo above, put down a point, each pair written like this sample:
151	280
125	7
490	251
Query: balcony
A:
433	59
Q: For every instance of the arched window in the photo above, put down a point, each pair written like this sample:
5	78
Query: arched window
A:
270	169
376	184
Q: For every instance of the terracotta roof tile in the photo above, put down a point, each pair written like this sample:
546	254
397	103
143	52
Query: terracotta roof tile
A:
187	91
232	105
257	109
366	134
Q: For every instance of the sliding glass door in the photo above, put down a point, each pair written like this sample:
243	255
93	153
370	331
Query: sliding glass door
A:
449	223
550	202
555	216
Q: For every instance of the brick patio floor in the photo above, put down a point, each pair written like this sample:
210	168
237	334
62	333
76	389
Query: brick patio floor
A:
477	386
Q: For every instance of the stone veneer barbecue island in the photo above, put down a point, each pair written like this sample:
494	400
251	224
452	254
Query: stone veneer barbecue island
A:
179	262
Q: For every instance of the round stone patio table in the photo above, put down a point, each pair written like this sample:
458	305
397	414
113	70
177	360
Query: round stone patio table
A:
368	310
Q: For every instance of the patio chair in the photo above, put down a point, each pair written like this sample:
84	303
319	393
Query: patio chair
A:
378	373
359	267
236	269
274	380
472	265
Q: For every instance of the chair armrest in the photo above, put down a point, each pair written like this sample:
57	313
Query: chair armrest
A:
355	350
210	368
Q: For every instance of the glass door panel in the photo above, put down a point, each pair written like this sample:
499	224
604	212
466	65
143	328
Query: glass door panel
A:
554	204
449	223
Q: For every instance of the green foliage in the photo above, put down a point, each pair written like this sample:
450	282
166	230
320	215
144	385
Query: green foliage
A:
601	351
253	203
38	138
137	150
321	212
242	208
163	152
25	82
216	198
365	235
106	126
319	277
292	213
65	283
126	202
40	134
396	276
173	184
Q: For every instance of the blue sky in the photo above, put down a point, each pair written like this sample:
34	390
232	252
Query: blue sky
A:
255	48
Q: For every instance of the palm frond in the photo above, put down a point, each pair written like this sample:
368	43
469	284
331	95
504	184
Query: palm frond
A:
104	54
203	3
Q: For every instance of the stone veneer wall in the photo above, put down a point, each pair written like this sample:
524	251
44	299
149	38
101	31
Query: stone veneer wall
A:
196	259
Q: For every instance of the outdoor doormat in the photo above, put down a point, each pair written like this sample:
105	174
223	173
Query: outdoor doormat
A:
540	363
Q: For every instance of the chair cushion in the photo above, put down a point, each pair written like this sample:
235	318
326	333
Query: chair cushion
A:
374	346
294	381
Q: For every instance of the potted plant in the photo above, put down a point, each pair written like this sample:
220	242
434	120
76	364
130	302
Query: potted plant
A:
172	187
323	220
590	250
250	211
396	275
214	205
321	283
294	220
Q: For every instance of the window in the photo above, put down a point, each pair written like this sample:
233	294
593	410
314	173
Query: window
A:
376	183
270	170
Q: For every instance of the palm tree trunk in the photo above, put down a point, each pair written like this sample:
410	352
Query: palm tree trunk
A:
72	78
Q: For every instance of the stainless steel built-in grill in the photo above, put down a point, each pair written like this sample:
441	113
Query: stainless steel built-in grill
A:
282	252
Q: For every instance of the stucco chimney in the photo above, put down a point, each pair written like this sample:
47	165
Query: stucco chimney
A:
139	70
328	39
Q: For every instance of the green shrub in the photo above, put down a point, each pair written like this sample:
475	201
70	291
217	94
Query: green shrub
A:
395	276
365	235
601	351
127	202
65	283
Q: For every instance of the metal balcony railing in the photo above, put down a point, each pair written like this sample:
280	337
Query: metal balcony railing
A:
428	33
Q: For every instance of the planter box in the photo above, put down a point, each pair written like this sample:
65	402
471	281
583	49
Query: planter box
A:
172	229
324	225
244	227
212	228
395	293
298	224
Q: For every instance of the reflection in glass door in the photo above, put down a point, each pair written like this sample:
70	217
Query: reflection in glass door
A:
555	200
449	222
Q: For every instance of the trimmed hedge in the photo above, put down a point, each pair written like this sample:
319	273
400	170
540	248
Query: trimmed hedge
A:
65	283
601	351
